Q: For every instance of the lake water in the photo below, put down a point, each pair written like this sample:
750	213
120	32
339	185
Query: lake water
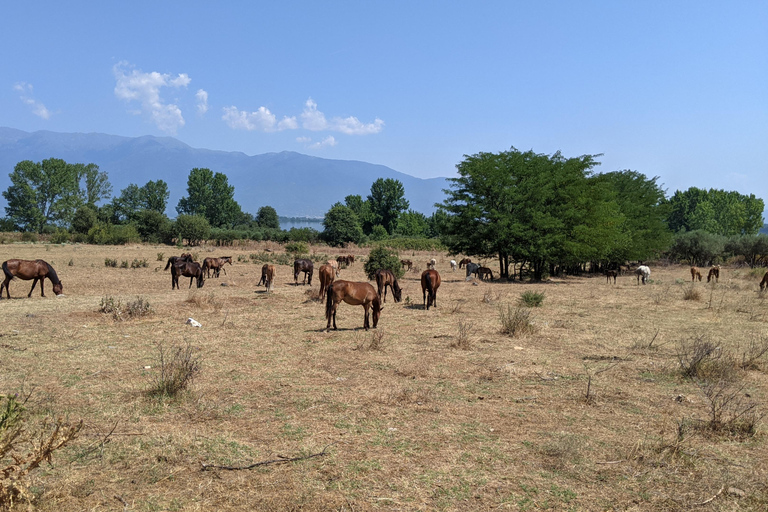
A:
287	224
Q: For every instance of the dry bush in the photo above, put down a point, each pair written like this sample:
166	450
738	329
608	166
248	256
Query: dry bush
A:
516	321
729	407
119	311
690	292
109	262
753	353
375	343
201	300
462	340
176	367
696	353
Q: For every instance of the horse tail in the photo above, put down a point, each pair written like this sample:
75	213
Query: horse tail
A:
428	278
329	302
52	274
169	263
7	272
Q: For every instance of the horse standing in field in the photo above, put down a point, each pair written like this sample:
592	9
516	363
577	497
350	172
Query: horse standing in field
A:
643	272
472	269
763	283
406	264
303	265
464	262
386	278
430	282
327	275
335	265
453	265
190	269
694	274
267	276
431	264
483	272
357	294
611	274
216	264
714	271
37	270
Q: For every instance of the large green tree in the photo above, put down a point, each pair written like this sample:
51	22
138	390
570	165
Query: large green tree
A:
267	217
210	195
716	211
386	201
133	199
340	226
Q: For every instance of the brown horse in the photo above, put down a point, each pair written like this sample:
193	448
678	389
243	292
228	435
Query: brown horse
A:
714	271
267	276
37	270
694	274
464	262
483	272
327	275
357	294
430	282
303	265
190	269
763	283
386	278
611	274
216	264
406	264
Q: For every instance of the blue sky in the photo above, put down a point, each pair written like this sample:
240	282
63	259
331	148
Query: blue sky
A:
676	89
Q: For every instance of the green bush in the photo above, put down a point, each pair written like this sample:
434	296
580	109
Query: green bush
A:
297	248
383	258
61	236
109	234
28	236
531	299
193	228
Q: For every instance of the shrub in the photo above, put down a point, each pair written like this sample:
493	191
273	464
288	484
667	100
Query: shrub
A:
691	293
119	311
193	228
383	258
28	236
176	367
109	234
531	299
60	236
296	248
109	262
516	321
137	263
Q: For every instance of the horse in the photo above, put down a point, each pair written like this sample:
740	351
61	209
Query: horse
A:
303	265
611	274
472	268
386	278
406	264
642	272
350	259
453	265
714	271
694	274
267	276
763	283
174	259
430	282
342	260
464	262
327	276
190	269
37	270
216	264
335	265
431	264
482	272
357	294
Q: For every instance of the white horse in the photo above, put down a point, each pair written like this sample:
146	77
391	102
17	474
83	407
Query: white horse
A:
453	265
643	273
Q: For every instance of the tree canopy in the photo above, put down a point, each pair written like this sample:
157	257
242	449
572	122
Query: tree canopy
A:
211	196
718	212
386	201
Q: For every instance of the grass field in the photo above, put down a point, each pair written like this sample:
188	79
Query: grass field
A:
434	410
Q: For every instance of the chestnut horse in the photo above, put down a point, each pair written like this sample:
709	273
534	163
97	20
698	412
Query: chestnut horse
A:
464	262
267	276
215	264
386	278
763	283
327	275
714	271
406	264
357	294
483	272
37	270
694	274
430	282
303	265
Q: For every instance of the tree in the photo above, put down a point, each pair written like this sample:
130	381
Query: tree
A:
154	196
340	226
266	217
362	209
716	211
412	223
193	228
386	201
211	196
697	247
41	193
133	199
97	186
383	258
84	219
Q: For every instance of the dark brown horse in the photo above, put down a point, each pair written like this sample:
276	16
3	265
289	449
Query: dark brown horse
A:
184	266
386	278
357	294
30	269
714	271
216	264
430	282
763	283
406	264
611	274
327	275
483	272
303	265
267	276
464	262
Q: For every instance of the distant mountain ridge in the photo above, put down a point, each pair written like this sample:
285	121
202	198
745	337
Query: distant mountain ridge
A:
296	185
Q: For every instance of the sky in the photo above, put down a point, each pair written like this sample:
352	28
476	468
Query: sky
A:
677	90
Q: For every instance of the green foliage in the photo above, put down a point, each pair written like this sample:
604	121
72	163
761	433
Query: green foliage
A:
297	248
110	234
386	201
84	219
718	212
266	217
151	225
411	244
109	262
308	235
340	226
753	248
697	248
211	196
193	228
60	236
378	233
531	299
412	223
383	258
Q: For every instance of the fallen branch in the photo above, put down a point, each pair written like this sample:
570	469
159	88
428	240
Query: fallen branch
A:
281	460
710	499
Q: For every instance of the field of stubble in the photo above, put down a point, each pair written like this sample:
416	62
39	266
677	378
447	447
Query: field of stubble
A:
434	410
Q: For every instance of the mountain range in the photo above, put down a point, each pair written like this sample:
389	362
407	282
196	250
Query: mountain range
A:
296	185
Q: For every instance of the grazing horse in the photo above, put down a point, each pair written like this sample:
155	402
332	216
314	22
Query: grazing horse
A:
190	269
303	265
643	272
472	268
357	294
406	264
432	263
37	270
464	262
764	282
430	282
267	276
482	272
342	260
216	264
714	271
327	275
694	274
611	274
453	265
386	278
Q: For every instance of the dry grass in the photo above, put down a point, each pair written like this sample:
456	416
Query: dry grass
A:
441	412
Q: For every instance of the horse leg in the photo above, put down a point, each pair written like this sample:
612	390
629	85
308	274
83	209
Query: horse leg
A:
34	283
366	321
7	281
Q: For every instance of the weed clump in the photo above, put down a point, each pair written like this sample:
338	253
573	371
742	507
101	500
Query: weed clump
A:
516	321
119	311
531	299
176	367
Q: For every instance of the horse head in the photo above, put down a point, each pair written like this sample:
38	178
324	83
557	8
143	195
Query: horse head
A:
58	289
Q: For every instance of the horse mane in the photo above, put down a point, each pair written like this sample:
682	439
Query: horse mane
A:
52	274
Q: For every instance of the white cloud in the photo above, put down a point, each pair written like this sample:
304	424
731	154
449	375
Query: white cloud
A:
313	119
329	141
261	120
26	96
202	101
135	85
352	126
